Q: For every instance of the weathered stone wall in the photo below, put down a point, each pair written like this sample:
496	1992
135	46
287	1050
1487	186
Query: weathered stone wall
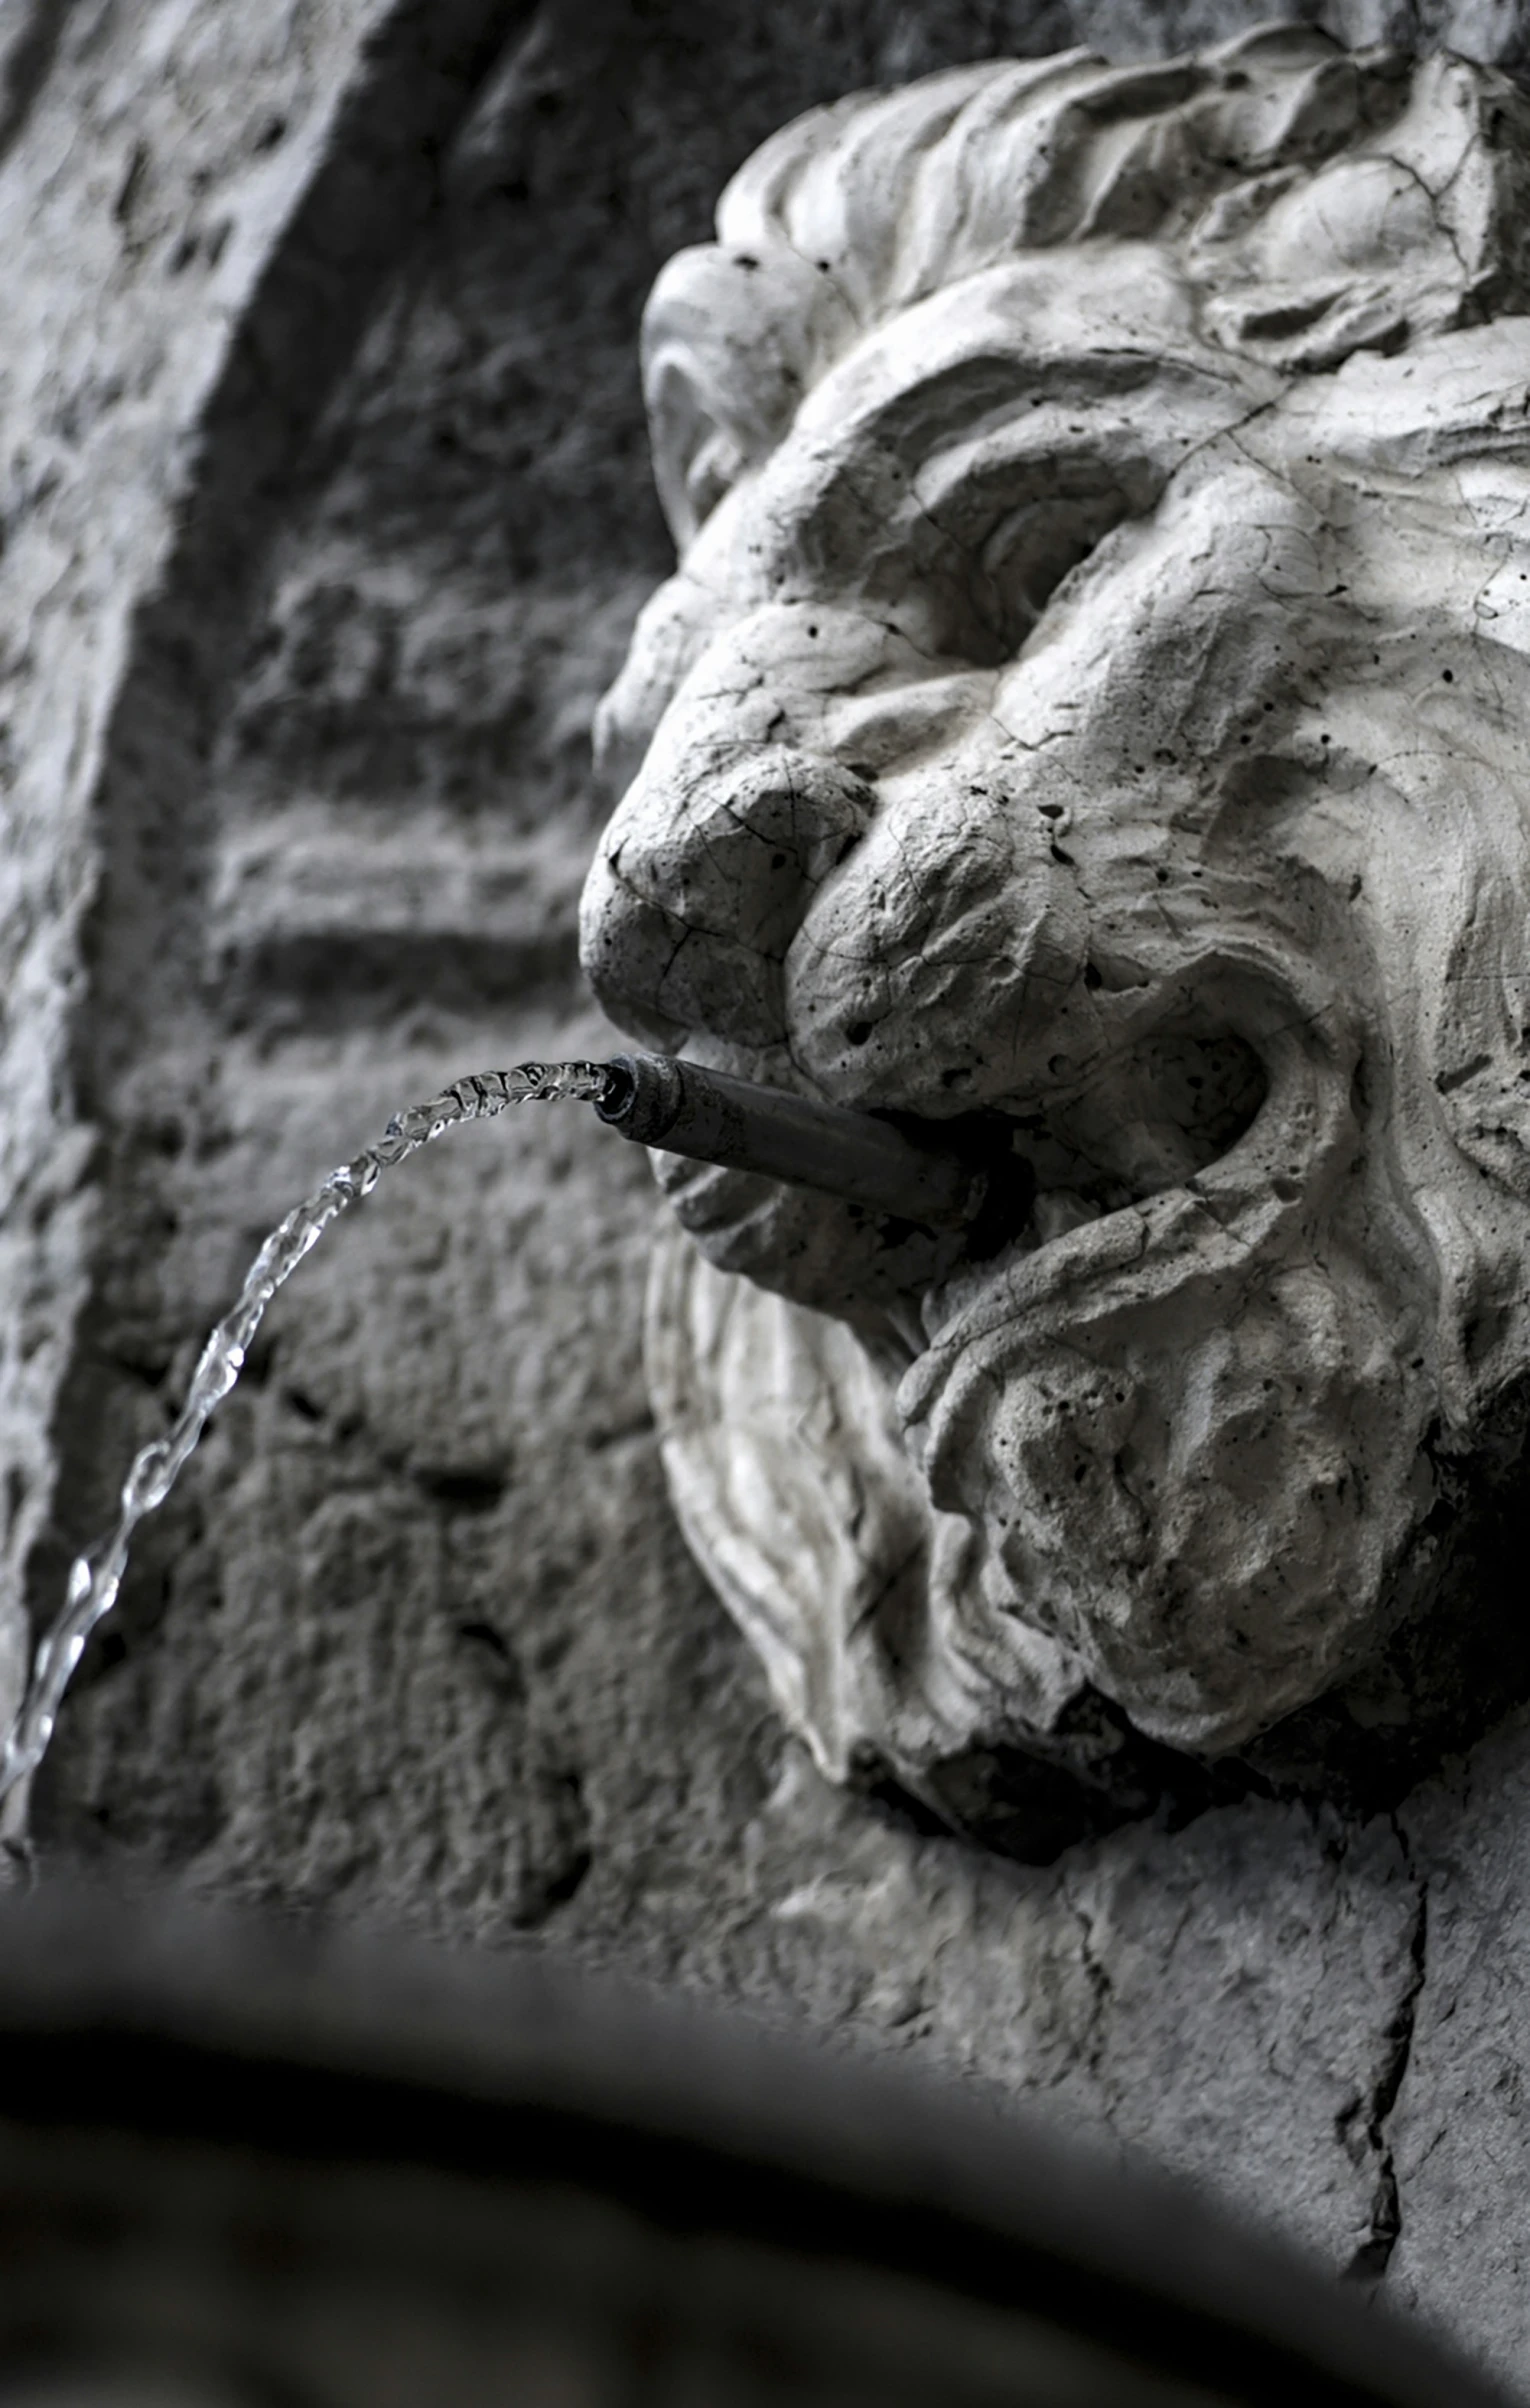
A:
327	516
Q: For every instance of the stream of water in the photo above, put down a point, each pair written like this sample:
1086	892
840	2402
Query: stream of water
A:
96	1576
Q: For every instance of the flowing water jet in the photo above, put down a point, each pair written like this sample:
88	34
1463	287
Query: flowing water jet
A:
937	1180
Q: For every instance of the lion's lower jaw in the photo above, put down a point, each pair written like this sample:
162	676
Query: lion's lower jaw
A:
910	1644
1202	1497
1187	1437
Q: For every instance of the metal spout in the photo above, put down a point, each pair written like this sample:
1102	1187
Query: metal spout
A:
938	1176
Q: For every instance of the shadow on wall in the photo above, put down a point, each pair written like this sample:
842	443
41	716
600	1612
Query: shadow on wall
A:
238	2169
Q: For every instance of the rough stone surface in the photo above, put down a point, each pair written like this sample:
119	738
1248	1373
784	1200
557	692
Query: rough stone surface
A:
1087	709
198	210
311	588
1458	2132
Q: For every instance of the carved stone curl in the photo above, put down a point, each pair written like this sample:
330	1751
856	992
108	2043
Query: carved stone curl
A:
1094	690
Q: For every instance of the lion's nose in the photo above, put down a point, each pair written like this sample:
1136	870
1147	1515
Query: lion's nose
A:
702	882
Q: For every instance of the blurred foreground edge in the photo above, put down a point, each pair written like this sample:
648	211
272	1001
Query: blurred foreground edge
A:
245	2168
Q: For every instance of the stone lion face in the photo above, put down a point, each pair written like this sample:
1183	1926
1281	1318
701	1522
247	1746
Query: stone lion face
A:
1074	717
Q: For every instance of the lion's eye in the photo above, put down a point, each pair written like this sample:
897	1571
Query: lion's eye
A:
1033	547
1025	504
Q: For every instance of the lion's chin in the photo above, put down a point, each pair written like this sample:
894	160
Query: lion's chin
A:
1195	1460
1183	1430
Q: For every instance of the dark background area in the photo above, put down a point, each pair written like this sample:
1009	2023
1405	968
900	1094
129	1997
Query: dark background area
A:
417	1640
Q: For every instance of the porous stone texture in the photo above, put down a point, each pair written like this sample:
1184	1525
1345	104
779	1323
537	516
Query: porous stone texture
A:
325	534
1087	711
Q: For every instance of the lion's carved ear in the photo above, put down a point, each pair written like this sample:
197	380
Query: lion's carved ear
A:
695	461
732	340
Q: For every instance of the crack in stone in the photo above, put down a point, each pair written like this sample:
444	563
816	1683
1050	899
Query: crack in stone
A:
1369	2264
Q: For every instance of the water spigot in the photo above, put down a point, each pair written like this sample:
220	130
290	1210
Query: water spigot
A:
938	1175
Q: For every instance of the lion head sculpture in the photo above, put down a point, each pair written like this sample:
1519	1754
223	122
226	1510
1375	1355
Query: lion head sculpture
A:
1095	691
